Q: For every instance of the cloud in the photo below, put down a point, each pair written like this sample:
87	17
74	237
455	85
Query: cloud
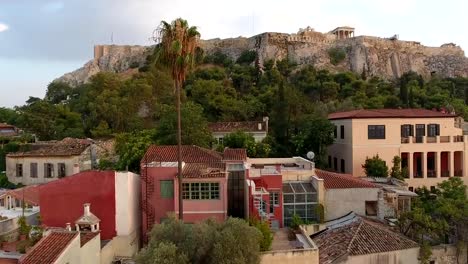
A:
52	7
3	27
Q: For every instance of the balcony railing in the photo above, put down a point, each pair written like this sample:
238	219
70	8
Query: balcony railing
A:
437	139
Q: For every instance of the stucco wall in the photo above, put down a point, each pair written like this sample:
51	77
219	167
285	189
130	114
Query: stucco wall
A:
339	202
127	199
62	201
355	149
71	254
120	246
26	161
447	254
299	256
90	252
392	257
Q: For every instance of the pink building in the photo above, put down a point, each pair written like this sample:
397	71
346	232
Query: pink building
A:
431	144
209	179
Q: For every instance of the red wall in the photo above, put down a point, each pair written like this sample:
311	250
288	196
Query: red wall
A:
274	183
61	201
160	206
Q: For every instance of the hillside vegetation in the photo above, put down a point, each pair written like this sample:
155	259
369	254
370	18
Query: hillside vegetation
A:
296	98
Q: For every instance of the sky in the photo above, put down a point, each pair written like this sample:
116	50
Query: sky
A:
40	40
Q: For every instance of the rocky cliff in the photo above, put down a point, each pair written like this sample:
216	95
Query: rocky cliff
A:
388	58
108	58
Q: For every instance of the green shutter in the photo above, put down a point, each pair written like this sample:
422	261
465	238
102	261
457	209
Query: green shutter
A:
167	189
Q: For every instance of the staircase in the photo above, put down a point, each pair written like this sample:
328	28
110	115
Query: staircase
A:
261	205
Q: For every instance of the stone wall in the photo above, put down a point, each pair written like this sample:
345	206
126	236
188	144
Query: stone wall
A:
447	254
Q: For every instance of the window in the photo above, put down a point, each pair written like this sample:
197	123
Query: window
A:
329	161
61	170
433	130
19	170
33	167
274	200
420	130
342	165
2	202
433	188
48	170
335	163
220	140
371	208
342	132
167	188
410	189
376	132
407	130
335	132
200	191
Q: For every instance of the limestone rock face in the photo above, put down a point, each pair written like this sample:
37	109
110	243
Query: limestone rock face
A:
373	56
107	58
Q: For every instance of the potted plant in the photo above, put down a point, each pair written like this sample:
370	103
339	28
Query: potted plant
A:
24	228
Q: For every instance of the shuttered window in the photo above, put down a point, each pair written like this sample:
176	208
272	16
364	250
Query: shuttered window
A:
433	130
33	170
167	188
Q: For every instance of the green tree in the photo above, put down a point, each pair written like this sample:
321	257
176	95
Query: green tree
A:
195	131
336	55
396	168
208	242
375	167
130	147
178	42
315	134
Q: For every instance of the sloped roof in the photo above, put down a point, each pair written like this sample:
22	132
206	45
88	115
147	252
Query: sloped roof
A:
357	235
231	154
333	180
5	125
48	249
246	126
190	154
204	170
85	237
30	194
389	113
65	147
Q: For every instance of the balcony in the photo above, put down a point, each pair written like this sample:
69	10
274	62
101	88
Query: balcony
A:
433	140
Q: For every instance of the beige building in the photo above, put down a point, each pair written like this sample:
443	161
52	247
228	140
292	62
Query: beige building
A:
49	161
257	129
356	239
67	246
431	144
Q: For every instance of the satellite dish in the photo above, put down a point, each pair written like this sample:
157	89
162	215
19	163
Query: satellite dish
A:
310	155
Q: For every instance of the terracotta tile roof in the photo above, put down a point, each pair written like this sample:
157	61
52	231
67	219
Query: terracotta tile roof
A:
389	113
31	194
85	237
65	147
48	249
246	126
7	130
204	170
235	154
333	180
190	154
5	125
357	235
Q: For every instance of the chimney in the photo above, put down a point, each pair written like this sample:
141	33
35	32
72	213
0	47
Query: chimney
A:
266	119
86	208
68	227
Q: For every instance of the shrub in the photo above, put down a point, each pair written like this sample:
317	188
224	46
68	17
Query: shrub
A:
264	228
247	57
375	167
336	55
296	221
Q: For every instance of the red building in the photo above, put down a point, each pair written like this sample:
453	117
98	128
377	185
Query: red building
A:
212	184
114	199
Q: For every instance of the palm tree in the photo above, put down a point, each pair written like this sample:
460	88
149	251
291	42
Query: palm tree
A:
177	44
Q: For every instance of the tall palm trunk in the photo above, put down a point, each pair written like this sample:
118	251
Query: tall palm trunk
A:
179	151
